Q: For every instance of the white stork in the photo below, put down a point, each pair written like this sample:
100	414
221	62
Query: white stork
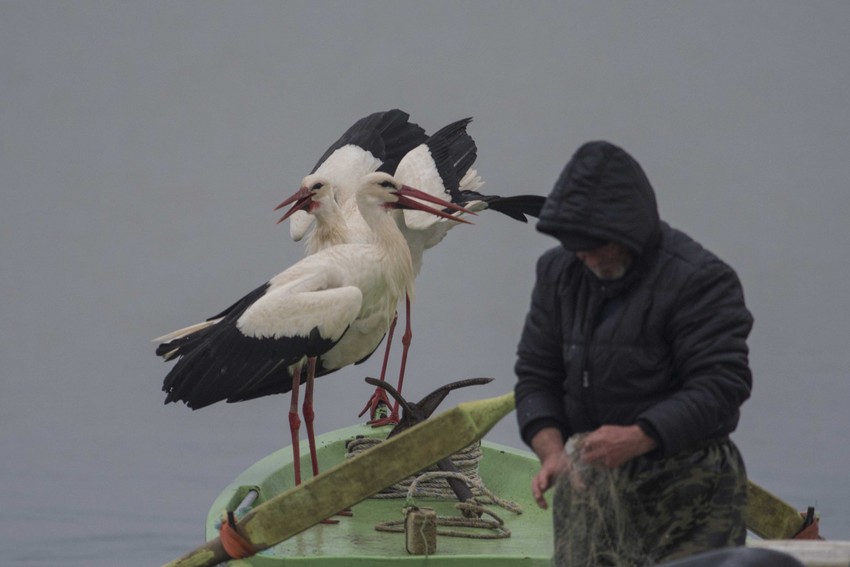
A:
441	167
326	311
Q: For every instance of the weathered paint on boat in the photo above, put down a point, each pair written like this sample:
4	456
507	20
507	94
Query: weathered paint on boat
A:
354	540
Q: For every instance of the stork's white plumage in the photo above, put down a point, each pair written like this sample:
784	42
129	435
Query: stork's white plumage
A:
329	310
441	166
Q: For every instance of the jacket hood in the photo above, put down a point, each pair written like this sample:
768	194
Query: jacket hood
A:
602	195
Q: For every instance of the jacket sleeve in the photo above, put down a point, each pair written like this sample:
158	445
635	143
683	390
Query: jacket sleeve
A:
708	330
539	367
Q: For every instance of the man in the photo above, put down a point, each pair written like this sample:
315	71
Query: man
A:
636	339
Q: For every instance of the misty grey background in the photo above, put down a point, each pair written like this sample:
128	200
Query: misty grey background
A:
144	145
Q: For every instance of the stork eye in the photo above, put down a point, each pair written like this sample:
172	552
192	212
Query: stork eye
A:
317	186
388	184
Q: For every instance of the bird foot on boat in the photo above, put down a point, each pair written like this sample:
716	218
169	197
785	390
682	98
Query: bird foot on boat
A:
391	419
377	406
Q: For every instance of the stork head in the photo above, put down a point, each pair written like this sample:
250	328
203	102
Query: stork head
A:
315	193
382	189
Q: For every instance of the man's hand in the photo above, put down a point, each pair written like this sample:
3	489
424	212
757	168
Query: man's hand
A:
613	445
548	444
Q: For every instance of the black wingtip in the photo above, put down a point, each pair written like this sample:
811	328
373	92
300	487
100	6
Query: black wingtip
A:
453	151
518	207
388	135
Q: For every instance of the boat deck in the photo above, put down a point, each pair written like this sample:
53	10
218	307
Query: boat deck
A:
354	540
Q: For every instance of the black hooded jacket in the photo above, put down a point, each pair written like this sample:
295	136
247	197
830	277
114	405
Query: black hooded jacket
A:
663	347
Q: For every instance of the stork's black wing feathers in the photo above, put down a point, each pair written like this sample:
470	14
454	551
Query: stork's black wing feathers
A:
517	207
453	151
227	365
219	362
387	135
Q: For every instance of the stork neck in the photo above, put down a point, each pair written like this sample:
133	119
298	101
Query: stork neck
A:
331	229
392	246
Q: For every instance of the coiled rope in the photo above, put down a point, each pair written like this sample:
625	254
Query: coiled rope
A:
431	483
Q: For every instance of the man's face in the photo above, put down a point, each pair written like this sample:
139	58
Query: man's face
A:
608	262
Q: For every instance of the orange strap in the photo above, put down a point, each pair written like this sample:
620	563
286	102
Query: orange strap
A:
234	543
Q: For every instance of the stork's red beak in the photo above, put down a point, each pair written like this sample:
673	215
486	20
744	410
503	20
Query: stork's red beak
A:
302	199
406	200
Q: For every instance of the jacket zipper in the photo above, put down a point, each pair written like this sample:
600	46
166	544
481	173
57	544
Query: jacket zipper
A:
587	394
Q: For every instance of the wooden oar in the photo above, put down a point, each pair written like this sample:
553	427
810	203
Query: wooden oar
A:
358	478
769	516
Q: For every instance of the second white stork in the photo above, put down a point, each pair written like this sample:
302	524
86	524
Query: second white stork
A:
327	307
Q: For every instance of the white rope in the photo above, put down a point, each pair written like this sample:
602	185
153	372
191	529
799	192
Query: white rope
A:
432	483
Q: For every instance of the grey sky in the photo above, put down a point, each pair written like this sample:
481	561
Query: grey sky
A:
144	146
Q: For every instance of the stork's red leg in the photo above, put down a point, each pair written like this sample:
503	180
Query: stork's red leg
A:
405	342
380	396
295	425
309	414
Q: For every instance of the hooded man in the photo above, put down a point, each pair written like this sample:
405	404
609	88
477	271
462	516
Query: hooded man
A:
636	340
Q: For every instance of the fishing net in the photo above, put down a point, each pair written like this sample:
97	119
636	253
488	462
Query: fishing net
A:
593	519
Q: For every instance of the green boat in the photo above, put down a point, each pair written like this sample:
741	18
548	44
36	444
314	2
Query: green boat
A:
354	540
275	523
